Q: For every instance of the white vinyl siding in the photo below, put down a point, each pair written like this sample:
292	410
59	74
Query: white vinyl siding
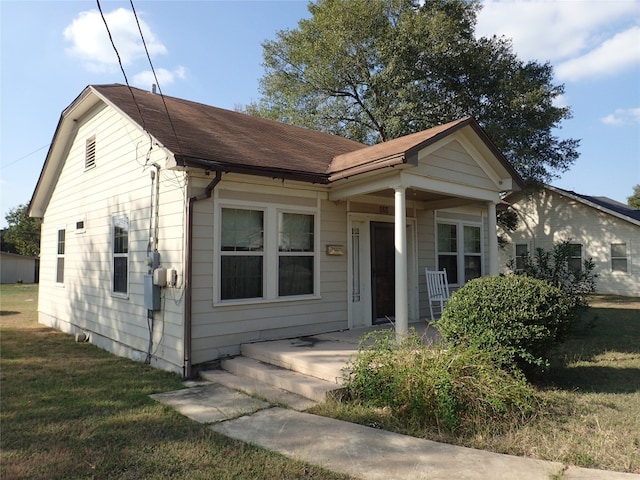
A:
118	183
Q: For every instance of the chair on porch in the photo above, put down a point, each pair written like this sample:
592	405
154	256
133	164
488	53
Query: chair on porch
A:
437	288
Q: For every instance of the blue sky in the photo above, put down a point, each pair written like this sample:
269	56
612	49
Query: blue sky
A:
210	52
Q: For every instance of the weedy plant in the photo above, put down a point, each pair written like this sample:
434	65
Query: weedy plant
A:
456	389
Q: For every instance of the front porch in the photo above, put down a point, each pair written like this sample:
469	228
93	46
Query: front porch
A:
311	367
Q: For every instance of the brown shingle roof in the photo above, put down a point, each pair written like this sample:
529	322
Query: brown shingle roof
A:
210	136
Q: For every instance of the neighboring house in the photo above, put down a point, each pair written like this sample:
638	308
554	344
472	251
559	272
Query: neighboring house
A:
252	229
597	227
16	268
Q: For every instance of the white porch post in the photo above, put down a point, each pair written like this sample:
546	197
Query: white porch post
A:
493	239
400	242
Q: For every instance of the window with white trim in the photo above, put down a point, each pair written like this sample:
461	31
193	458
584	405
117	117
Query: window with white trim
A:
61	244
459	251
522	252
266	253
619	257
575	257
120	242
242	254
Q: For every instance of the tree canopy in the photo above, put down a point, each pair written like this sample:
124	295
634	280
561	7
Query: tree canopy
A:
634	200
23	231
373	70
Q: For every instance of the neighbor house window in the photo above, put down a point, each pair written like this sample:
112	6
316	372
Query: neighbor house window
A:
296	255
120	254
575	257
522	252
242	254
90	153
460	251
619	257
60	255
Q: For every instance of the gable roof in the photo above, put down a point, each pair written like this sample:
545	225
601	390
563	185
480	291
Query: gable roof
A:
215	138
212	138
604	204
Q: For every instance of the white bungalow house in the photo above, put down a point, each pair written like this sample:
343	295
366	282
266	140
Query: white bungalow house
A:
599	228
174	231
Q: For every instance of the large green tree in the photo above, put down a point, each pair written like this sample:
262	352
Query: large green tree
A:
634	200
373	70
23	231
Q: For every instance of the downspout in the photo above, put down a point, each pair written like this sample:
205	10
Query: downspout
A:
189	271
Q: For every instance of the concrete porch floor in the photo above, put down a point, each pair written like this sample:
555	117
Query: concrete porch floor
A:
324	356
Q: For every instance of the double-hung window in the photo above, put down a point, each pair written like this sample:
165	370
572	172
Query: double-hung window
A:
522	251
242	254
460	251
60	254
619	257
266	253
120	240
575	257
295	254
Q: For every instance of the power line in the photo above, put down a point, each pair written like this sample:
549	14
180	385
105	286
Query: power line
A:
121	66
144	44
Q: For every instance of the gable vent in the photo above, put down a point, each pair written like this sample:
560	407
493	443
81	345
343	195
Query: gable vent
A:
90	153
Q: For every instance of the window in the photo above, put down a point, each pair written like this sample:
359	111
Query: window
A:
575	257
522	252
90	153
120	254
266	253
460	251
619	257
296	254
242	254
60	255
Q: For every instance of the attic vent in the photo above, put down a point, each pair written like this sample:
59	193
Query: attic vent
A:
90	153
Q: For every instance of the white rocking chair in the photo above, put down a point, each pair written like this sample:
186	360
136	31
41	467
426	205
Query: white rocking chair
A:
437	288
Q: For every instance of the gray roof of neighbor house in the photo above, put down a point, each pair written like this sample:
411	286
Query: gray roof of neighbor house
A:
604	203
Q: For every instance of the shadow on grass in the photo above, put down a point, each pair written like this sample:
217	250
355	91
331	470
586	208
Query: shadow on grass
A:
601	355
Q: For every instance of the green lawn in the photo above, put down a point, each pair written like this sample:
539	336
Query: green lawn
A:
591	399
69	410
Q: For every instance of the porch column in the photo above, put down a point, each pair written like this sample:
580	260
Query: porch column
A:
400	242
493	239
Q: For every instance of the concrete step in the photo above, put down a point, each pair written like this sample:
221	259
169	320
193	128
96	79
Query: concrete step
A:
281	378
255	387
316	356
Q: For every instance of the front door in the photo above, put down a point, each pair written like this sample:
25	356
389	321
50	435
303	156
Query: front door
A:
383	285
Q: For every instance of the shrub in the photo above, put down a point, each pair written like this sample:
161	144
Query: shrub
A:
452	389
555	267
517	318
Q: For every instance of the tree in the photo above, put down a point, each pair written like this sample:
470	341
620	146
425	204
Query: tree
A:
23	231
634	200
373	70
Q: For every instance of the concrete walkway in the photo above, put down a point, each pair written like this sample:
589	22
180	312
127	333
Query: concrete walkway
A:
359	451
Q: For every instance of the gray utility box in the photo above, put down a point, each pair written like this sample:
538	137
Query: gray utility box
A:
151	293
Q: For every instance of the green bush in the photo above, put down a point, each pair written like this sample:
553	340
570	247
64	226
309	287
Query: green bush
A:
452	389
517	318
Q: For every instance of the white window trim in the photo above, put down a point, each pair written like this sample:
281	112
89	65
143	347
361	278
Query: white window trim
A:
114	217
63	255
460	224
270	253
626	257
83	219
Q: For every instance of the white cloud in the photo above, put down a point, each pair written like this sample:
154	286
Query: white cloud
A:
622	117
595	37
165	77
611	57
90	41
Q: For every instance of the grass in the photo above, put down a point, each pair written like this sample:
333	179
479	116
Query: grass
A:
591	399
70	410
